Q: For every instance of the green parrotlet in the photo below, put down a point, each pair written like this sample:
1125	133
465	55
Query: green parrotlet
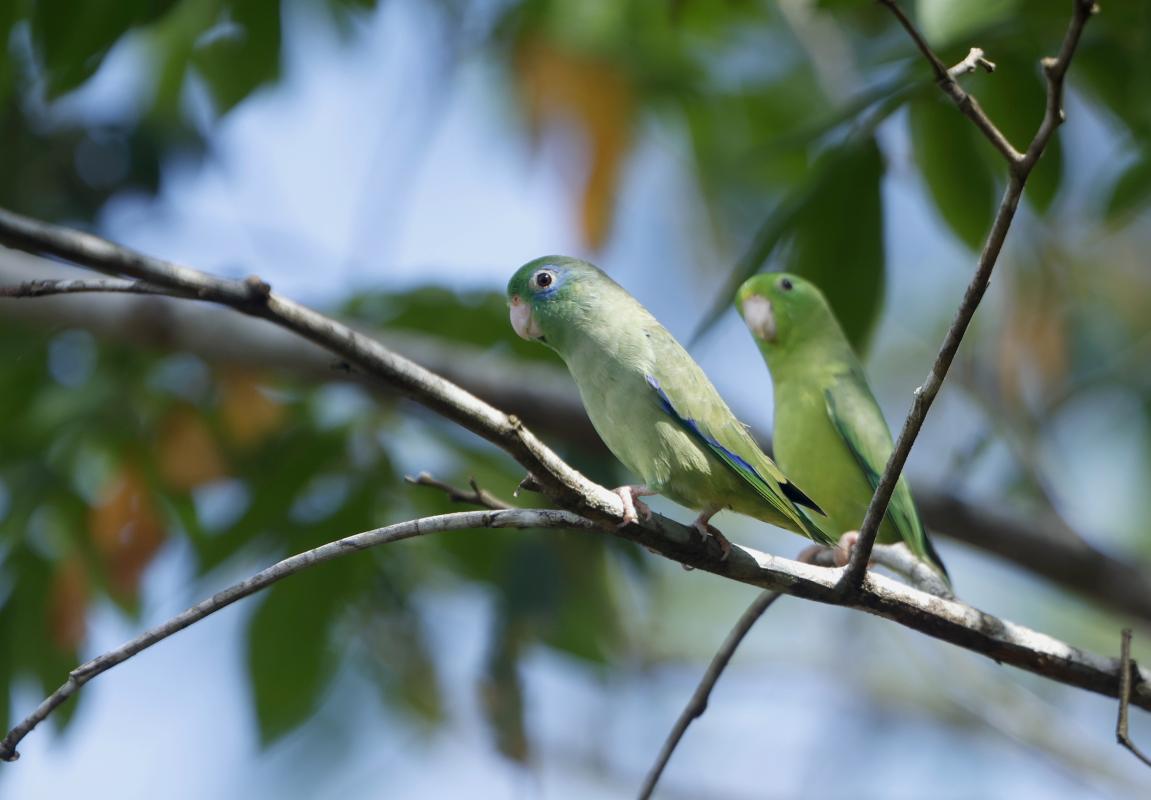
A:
830	435
652	405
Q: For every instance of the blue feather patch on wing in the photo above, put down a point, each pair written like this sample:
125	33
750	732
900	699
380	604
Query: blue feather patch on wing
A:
694	426
790	490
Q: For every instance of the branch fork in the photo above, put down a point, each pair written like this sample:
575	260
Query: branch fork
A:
1020	166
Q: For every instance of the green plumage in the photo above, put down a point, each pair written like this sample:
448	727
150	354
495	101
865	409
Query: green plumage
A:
830	435
648	399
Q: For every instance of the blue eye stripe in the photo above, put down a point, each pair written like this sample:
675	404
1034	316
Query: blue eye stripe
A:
557	280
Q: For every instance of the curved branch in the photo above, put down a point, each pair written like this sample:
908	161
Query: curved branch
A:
947	620
698	702
463	520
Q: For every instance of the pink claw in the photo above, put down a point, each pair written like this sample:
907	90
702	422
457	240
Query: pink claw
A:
633	507
706	529
843	549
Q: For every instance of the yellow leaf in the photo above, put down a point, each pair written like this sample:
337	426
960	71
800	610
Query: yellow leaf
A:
248	413
560	87
68	604
126	530
1033	340
188	453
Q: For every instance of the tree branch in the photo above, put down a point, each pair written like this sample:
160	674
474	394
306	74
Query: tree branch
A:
1021	166
975	59
942	619
545	398
46	288
463	520
947	620
698	702
1125	678
476	497
1047	547
946	80
898	559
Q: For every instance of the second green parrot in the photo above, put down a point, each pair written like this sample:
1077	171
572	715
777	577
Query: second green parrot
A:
830	435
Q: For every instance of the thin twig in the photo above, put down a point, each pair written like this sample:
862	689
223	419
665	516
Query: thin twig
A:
976	59
698	702
900	560
48	288
965	101
476	497
1126	667
1021	166
462	520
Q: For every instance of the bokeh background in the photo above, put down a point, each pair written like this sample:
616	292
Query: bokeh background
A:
392	163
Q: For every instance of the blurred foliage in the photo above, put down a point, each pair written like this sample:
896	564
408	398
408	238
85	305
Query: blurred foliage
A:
148	448
793	114
774	99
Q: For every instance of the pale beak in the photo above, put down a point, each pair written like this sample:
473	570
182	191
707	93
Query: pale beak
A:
759	317
522	320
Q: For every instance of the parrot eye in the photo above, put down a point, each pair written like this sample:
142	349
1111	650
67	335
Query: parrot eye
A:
785	284
543	279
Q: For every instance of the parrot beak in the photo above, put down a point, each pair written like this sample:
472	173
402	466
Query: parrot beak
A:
522	321
759	317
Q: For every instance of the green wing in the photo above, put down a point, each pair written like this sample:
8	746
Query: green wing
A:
704	415
859	422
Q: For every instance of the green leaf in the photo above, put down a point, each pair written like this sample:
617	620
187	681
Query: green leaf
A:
399	661
586	622
244	54
9	14
28	614
949	151
478	318
1131	191
944	22
502	696
290	660
1015	97
8	647
773	231
73	37
838	239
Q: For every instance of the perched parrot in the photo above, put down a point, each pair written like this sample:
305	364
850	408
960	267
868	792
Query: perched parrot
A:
650	402
829	432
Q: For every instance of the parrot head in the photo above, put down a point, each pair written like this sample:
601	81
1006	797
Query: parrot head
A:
548	292
777	305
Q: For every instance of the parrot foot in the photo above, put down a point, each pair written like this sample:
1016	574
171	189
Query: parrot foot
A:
837	556
633	507
842	552
706	529
812	554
